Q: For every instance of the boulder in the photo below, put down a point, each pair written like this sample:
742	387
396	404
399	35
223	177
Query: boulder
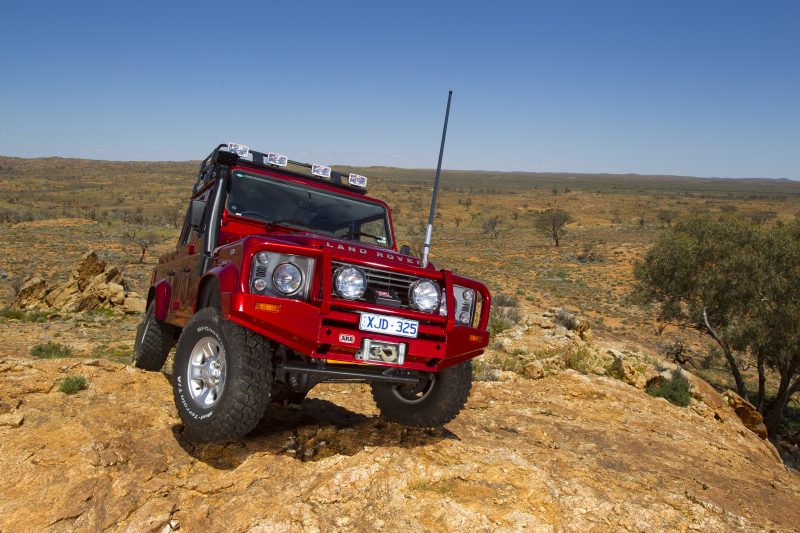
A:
134	305
32	294
116	294
747	413
89	266
533	370
63	296
92	284
583	328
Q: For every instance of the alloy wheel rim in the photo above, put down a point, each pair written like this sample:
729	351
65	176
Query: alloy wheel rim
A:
205	373
413	394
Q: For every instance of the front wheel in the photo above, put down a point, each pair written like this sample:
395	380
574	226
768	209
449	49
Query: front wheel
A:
432	402
221	377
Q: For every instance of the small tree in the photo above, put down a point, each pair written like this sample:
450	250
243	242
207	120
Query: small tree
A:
666	216
140	241
552	224
762	217
698	283
492	225
738	283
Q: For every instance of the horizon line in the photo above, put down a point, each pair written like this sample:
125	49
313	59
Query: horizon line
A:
565	172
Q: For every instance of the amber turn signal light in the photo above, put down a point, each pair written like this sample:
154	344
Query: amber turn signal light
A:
268	308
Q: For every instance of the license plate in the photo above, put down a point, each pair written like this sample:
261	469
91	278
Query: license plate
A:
390	325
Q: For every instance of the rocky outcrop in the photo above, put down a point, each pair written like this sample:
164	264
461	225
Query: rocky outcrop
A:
747	413
567	452
92	284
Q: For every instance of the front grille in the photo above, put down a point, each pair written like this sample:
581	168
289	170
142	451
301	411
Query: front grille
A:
381	283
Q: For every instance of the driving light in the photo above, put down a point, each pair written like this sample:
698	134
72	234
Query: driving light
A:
424	295
357	180
259	284
262	258
287	278
238	149
321	170
351	283
278	160
464	304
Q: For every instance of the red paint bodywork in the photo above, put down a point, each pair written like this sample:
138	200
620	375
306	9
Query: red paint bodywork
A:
316	327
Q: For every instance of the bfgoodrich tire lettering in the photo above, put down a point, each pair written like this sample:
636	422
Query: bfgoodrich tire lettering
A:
247	373
154	339
431	405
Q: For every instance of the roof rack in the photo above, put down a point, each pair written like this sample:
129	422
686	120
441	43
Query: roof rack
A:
235	154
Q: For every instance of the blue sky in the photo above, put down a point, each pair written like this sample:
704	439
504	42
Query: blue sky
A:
706	88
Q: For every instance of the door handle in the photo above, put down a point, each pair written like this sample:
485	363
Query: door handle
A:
171	273
187	269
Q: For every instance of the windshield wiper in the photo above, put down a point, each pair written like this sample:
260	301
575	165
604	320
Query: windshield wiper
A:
362	234
294	224
285	222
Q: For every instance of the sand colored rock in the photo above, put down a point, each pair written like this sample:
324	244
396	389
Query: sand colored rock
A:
747	413
92	284
564	453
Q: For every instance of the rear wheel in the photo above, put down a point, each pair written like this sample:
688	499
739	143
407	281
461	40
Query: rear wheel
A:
431	403
221	377
154	340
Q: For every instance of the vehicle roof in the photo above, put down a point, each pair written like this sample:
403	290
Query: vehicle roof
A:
258	160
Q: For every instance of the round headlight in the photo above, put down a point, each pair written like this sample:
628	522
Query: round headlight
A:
424	295
287	278
351	283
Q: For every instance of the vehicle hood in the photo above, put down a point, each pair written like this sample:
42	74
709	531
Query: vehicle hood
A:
349	248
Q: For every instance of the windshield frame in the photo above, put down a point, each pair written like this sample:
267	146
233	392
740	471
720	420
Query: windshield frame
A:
317	187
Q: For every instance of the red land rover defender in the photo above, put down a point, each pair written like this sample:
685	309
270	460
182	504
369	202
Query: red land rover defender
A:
287	275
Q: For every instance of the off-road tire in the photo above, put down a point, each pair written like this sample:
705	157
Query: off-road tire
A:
439	406
245	396
154	340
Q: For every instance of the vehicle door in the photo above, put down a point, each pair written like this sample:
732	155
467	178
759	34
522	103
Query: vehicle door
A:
188	263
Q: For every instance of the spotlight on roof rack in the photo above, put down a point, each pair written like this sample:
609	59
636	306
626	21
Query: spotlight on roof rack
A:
321	170
238	149
357	180
278	160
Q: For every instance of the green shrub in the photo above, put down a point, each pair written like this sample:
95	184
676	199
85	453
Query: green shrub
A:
52	350
567	319
580	360
504	315
677	389
73	384
24	316
482	370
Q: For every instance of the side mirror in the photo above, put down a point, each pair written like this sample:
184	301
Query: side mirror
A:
405	250
197	212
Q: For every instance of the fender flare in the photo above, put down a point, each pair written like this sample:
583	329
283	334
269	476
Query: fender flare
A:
162	294
225	277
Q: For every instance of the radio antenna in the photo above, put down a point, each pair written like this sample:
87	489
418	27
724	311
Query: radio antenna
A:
427	248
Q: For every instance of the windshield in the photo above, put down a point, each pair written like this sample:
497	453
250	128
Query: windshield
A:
276	201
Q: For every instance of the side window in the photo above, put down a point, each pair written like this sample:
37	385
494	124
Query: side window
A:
184	238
